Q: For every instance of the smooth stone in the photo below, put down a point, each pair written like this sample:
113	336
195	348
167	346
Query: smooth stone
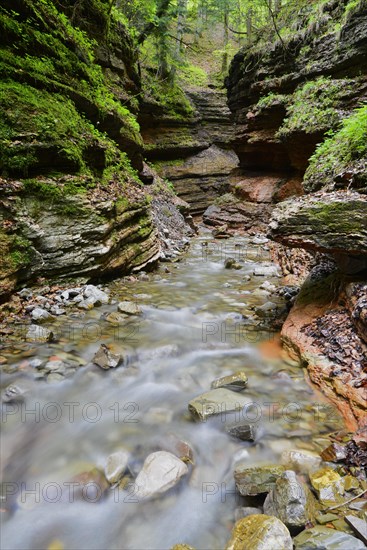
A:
105	359
256	480
214	402
91	486
245	432
323	538
260	532
99	296
116	466
290	501
161	471
130	308
301	460
266	271
56	310
182	547
41	315
39	334
245	511
235	382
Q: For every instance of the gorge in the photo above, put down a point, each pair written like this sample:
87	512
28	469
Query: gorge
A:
183	284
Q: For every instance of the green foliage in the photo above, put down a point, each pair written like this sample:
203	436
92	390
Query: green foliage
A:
314	106
271	100
340	152
168	95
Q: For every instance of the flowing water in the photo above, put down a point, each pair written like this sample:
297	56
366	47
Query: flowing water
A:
197	325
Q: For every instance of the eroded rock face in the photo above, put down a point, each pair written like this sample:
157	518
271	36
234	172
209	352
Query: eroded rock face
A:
335	223
260	532
193	150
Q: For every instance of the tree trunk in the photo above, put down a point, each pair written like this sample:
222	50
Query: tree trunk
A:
225	37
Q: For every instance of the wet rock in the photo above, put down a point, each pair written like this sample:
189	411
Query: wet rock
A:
91	486
182	547
359	526
39	334
269	309
3	360
266	271
116	318
221	232
230	263
161	471
41	315
86	304
245	432
105	359
328	485
98	296
260	532
116	466
245	511
235	382
55	366
129	308
290	501
323	538
257	480
13	393
219	401
301	460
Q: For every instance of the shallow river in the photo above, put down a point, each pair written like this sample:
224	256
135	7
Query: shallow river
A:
191	332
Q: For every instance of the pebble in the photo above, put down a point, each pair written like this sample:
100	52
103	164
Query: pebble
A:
116	466
41	315
39	334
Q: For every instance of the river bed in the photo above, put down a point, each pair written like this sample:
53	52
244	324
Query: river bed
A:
197	324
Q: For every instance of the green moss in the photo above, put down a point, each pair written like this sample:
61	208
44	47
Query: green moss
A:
271	100
342	151
15	252
314	106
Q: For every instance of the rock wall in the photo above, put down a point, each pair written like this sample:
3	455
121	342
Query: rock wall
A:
71	201
194	150
285	99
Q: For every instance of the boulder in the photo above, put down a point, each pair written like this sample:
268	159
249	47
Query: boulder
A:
290	500
334	223
260	532
256	480
323	538
98	296
161	471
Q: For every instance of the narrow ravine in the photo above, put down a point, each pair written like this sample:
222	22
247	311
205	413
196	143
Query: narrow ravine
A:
197	324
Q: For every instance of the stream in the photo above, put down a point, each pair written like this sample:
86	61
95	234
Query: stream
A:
197	324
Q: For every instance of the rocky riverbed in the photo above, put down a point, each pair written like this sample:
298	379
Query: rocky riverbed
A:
163	406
